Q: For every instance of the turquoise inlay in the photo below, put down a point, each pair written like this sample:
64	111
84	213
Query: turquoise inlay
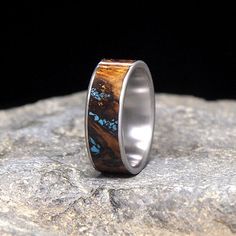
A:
96	148
92	141
96	117
111	125
99	96
101	122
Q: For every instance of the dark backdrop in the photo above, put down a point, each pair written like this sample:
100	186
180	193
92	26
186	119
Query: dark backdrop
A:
52	50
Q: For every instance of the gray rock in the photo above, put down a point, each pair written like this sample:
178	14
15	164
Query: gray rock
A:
48	186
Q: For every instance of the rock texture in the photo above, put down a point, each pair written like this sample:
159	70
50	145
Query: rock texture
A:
48	186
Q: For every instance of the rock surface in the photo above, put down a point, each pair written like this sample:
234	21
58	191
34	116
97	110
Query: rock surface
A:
48	186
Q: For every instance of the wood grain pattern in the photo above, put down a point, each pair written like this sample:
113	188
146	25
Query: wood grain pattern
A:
103	112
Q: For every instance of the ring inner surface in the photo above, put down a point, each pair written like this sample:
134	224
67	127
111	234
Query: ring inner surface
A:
136	117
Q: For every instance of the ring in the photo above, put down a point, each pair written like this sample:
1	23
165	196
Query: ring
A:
120	116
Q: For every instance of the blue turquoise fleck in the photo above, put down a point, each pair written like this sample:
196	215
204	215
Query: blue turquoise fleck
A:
111	125
95	148
97	95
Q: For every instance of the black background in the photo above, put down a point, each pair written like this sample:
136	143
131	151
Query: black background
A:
52	50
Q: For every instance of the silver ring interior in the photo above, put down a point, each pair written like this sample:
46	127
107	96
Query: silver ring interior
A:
137	116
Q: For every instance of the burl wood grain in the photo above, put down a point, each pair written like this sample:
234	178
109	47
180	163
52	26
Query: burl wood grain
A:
103	111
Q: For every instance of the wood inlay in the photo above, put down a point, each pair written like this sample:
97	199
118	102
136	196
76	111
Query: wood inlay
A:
103	112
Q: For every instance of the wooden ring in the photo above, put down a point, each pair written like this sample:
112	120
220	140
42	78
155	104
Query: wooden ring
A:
119	117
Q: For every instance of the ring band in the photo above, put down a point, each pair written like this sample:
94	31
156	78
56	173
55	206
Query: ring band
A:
120	116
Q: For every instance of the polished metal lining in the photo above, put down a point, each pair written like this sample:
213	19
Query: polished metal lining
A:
136	117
